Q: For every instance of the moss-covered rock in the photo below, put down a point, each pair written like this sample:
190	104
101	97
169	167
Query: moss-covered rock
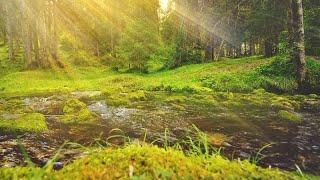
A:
282	103
217	139
33	122
73	106
314	96
150	162
289	116
76	111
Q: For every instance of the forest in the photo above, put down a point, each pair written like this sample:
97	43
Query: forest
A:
159	89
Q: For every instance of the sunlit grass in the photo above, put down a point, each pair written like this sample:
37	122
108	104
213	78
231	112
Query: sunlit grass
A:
102	78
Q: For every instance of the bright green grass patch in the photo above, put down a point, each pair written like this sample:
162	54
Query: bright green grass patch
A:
289	116
230	75
150	162
185	79
33	122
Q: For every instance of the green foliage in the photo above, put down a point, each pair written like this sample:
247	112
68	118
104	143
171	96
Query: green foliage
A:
83	58
33	122
284	70
184	49
313	75
138	44
278	67
7	66
312	27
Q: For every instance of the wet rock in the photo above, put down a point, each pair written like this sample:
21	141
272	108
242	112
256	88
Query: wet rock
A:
244	155
225	144
315	147
46	105
99	107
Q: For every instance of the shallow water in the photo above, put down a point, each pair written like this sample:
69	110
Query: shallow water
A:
245	130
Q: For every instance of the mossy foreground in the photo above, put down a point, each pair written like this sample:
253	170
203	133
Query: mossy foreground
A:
150	162
33	122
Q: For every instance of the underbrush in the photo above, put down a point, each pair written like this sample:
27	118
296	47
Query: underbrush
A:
284	70
277	76
7	66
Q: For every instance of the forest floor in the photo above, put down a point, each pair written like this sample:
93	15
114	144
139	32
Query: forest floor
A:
41	109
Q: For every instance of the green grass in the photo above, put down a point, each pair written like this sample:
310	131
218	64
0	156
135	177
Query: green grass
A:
185	79
224	84
150	162
230	75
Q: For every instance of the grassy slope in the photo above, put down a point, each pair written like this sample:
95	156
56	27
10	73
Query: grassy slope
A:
229	75
150	162
187	78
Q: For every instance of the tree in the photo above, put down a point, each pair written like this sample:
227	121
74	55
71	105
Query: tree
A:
298	53
140	37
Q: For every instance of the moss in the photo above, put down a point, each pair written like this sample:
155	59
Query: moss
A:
224	95
178	107
283	103
33	122
138	96
313	96
123	97
217	139
150	162
73	106
176	99
76	111
289	116
15	106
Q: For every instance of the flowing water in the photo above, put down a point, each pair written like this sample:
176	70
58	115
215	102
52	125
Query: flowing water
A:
240	133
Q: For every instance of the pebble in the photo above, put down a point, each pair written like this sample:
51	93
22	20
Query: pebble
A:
57	166
244	154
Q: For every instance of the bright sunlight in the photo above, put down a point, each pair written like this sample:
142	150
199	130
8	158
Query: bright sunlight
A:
164	4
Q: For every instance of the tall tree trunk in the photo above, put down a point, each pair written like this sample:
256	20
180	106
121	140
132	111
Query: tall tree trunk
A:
209	52
298	53
252	47
268	48
9	28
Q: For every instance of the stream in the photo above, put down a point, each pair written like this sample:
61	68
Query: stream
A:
239	133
